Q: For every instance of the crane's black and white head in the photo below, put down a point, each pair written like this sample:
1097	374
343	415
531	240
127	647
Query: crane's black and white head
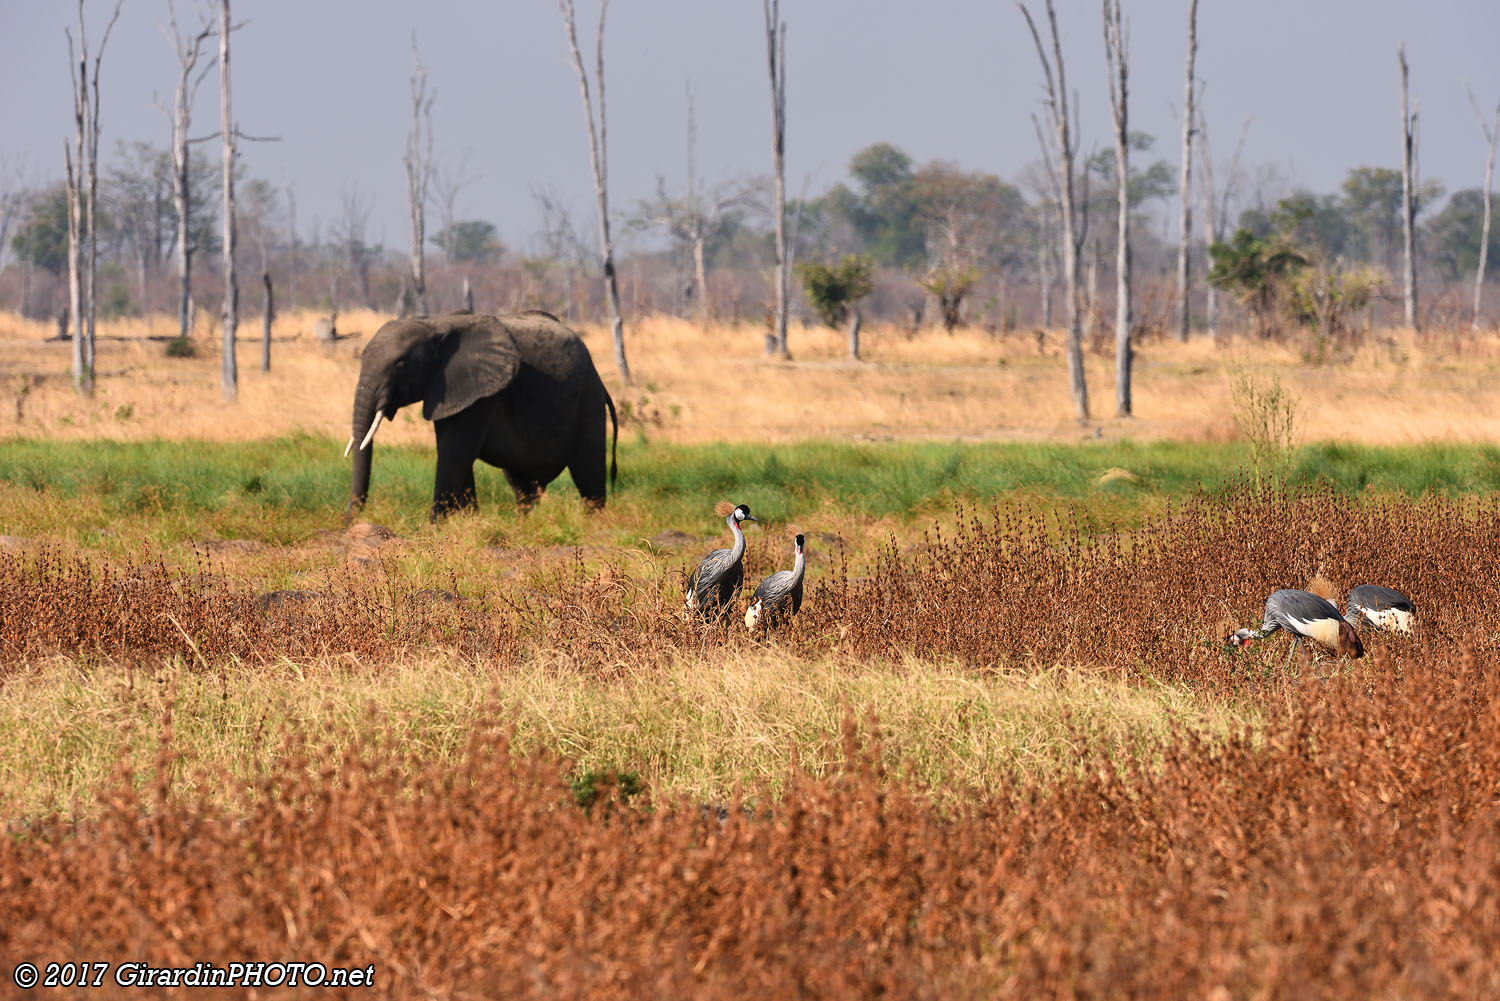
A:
734	513
1240	637
799	542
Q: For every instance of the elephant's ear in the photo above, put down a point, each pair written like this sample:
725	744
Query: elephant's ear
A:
476	357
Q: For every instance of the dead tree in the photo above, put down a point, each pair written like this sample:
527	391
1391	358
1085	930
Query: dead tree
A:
1185	178
1408	195
1491	132
776	56
598	158
1116	58
267	314
1059	155
82	172
1044	262
229	374
188	49
418	164
1215	211
691	219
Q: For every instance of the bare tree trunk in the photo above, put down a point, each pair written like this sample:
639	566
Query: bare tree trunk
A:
1091	293
1216	206
854	336
776	57
1185	179
75	261
1115	50
468	297
267	314
1210	232
187	50
1491	133
1044	265
1059	157
598	156
699	232
418	163
82	165
229	375
1408	197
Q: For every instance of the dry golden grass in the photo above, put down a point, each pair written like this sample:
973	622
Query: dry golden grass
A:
696	385
693	725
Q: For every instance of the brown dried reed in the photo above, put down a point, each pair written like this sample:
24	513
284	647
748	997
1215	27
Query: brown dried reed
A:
1354	851
1348	848
1001	589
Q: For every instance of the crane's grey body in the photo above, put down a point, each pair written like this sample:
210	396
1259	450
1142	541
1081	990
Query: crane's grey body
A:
1381	607
715	583
779	596
1306	616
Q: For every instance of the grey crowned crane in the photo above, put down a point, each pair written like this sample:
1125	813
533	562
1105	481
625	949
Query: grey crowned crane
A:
714	583
1305	616
1381	607
779	596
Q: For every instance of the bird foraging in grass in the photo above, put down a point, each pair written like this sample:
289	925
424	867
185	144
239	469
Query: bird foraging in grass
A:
1381	607
779	596
715	583
1305	616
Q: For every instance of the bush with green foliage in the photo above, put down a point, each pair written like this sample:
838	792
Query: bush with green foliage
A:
1326	298
1256	270
833	288
950	286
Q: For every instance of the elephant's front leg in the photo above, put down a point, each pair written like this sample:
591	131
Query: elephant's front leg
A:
453	482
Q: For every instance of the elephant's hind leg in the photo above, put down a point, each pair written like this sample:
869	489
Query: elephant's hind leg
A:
587	465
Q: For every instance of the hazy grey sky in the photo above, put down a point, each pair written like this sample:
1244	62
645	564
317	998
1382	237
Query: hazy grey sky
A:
952	79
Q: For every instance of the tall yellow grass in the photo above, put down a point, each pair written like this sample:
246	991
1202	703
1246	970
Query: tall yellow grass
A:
697	385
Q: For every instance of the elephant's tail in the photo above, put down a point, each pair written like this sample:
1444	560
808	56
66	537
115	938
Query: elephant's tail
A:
615	443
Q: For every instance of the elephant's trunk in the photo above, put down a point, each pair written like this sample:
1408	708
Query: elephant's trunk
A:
366	408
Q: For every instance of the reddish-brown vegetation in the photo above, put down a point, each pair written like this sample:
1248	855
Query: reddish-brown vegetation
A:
1349	847
1355	852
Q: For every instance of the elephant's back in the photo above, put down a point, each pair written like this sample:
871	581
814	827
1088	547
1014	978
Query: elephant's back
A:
550	347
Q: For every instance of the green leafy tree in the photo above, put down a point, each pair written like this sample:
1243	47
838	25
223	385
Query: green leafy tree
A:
469	240
1317	224
1372	204
833	288
880	210
42	239
1256	271
1453	235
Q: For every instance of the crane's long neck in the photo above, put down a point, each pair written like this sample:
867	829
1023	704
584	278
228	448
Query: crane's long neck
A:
737	550
799	566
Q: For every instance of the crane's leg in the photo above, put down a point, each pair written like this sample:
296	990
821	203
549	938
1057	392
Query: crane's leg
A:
1291	651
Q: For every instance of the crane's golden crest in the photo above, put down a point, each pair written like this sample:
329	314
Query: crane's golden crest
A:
1322	587
723	509
792	531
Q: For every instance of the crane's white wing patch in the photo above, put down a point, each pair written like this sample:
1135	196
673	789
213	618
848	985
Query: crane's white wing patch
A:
1325	631
1395	619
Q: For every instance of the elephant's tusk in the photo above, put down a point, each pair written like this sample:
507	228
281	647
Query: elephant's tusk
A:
349	447
379	416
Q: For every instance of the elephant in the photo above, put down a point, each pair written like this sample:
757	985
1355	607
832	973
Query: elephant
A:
519	391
